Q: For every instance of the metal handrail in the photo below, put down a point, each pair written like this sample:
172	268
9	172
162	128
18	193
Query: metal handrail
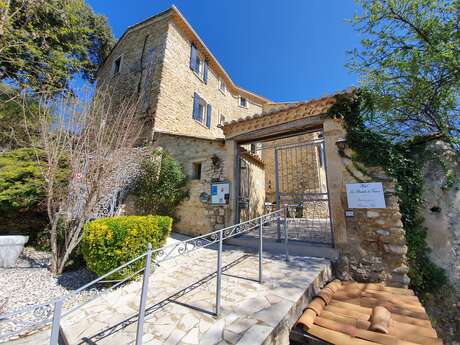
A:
159	255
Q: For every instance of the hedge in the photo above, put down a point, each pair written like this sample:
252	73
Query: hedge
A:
110	242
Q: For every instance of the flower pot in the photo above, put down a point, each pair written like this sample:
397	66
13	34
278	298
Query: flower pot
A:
10	248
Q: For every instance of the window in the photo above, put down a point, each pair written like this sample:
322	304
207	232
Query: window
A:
196	171
243	102
222	86
202	112
117	65
221	119
198	64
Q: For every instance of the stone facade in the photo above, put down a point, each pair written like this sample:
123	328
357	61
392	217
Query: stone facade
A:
178	85
197	217
372	241
155	66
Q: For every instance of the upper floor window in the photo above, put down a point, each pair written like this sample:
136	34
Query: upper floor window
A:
243	102
198	64
117	65
202	112
222	85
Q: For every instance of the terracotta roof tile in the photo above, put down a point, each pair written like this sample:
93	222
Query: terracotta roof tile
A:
342	314
317	106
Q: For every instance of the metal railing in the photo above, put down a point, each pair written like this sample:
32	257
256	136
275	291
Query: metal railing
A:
52	312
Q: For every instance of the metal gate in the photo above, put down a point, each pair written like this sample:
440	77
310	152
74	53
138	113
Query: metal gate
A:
301	188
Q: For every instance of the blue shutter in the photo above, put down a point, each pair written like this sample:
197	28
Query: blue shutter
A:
193	57
208	118
205	72
196	107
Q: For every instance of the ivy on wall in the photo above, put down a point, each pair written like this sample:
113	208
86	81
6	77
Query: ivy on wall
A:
372	149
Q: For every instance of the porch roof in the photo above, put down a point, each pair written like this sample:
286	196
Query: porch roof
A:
308	109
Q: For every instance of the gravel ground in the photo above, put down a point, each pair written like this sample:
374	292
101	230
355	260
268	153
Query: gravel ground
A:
30	282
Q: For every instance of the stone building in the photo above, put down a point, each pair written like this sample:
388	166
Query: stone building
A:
253	151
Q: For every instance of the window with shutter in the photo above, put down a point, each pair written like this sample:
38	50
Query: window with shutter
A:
193	56
196	106
202	112
205	72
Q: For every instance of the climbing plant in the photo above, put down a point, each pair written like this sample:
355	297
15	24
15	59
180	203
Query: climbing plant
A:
400	163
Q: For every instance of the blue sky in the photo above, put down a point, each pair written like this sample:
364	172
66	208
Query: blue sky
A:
285	50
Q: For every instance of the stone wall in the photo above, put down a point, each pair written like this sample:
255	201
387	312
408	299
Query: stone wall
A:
178	85
442	208
372	241
142	51
195	216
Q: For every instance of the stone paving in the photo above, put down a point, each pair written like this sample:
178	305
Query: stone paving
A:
182	298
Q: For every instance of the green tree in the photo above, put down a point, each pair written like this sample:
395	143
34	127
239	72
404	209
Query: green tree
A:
21	182
18	119
44	43
409	65
163	185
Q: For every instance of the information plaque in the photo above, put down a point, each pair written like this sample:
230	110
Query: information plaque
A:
365	195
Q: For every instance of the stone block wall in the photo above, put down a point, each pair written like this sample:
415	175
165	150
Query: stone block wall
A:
372	242
195	216
142	52
178	85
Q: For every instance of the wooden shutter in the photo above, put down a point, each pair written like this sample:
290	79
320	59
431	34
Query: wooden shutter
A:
205	72
193	57
209	115
196	106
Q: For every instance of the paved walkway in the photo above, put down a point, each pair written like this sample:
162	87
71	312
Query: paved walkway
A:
182	298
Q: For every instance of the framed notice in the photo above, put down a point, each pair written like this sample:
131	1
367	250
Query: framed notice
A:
220	193
365	195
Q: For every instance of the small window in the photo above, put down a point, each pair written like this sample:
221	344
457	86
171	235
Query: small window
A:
243	102
222	86
117	66
196	171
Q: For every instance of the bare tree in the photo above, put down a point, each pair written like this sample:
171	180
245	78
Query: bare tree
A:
88	137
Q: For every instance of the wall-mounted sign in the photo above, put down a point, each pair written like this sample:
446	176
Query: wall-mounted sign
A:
365	195
220	193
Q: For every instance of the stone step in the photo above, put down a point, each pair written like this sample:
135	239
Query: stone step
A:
252	313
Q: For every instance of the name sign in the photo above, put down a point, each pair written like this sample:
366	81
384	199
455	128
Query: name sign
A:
365	195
